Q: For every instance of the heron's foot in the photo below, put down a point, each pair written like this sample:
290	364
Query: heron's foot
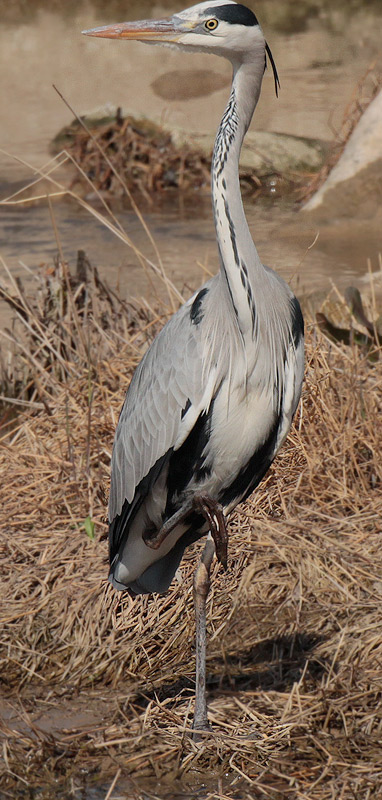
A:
154	538
213	513
200	728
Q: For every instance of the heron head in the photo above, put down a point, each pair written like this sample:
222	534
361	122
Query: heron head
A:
216	26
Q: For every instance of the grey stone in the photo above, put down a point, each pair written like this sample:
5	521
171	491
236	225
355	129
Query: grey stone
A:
355	183
265	153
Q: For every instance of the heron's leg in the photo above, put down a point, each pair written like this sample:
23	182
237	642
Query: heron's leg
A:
201	586
217	542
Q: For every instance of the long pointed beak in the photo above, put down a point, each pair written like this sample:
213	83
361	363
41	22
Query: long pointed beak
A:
146	30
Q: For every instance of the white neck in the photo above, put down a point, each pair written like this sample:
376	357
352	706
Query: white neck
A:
241	267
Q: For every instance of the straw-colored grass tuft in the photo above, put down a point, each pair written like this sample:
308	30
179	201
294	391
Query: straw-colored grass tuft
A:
97	684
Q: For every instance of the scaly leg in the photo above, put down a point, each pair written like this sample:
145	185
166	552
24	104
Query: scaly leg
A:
216	544
201	588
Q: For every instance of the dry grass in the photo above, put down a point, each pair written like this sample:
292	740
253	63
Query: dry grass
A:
140	151
99	685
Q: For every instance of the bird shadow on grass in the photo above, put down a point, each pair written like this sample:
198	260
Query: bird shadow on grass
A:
272	665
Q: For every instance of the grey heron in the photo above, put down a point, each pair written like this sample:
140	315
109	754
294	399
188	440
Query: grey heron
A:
213	398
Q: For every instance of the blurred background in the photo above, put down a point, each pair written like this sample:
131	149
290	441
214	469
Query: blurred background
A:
322	49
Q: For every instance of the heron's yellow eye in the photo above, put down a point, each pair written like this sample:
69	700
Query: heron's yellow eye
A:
211	24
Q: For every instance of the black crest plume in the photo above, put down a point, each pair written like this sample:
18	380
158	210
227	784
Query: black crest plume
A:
275	73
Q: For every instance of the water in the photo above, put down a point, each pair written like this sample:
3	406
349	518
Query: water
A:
319	66
321	54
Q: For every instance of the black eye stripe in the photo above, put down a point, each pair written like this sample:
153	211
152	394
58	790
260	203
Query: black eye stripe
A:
236	14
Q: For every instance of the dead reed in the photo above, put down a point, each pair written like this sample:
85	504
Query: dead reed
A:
97	684
140	151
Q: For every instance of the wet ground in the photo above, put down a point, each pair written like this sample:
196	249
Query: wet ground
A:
186	242
63	720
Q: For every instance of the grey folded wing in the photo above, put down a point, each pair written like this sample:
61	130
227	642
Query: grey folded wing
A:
167	393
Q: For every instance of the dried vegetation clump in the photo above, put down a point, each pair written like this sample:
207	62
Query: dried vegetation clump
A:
137	151
127	156
99	685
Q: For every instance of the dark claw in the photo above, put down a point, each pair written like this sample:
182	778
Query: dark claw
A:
152	537
212	511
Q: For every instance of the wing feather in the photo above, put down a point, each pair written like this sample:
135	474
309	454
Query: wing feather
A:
152	420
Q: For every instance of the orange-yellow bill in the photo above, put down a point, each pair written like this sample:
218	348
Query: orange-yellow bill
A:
145	30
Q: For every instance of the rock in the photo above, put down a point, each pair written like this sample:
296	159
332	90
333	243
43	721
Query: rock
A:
265	153
355	183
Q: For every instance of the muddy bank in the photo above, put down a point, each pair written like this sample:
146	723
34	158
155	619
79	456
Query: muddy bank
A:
320	57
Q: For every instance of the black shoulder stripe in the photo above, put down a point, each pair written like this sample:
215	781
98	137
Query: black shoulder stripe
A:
196	313
188	461
297	321
250	476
